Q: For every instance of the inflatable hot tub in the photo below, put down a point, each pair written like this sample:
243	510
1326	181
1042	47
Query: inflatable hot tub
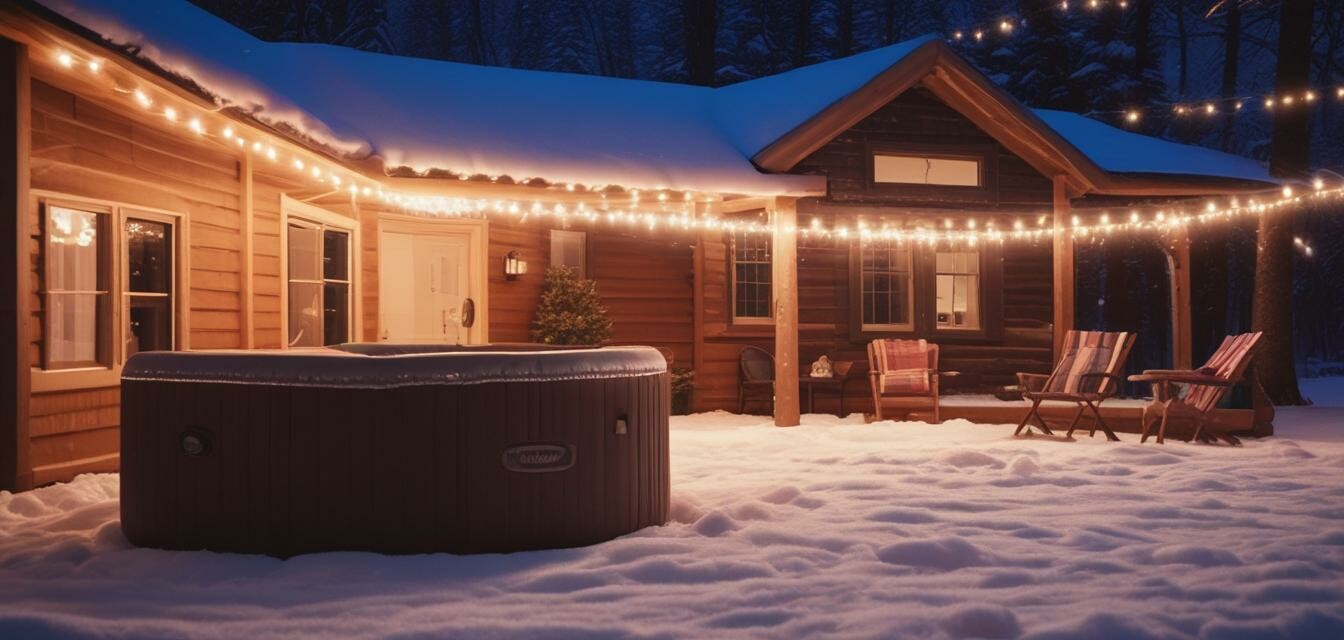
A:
393	449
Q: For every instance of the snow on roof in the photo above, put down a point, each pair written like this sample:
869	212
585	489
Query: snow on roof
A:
430	114
1120	151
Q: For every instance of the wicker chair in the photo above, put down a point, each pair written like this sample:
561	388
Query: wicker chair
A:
1204	388
756	377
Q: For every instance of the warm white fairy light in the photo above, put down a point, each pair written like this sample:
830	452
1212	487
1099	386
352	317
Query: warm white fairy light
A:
683	216
95	65
65	59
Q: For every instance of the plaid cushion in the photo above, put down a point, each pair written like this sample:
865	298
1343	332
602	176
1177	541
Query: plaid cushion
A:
912	381
1085	352
893	355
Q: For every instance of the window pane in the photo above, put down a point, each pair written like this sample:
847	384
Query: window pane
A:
885	283
72	250
335	313
958	289
151	324
149	256
751	275
304	248
72	326
335	255
567	250
305	314
925	170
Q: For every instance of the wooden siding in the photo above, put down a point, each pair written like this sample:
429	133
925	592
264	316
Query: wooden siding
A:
914	119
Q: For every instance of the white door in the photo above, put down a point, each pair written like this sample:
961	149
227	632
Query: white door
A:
423	285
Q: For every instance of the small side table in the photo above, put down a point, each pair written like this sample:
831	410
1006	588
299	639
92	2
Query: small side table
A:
838	383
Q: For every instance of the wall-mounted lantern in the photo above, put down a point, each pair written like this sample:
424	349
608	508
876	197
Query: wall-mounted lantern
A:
514	265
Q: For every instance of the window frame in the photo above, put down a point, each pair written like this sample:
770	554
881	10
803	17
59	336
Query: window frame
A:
987	155
735	319
979	277
910	299
924	292
292	211
176	253
114	312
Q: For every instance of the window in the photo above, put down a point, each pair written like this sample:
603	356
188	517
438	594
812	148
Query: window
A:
886	293
149	285
957	282
569	249
319	284
751	277
925	291
108	283
916	169
76	283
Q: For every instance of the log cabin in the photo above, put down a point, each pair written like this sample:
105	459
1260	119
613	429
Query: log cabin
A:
171	182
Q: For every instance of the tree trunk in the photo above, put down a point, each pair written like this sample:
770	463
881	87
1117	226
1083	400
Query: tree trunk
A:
1231	62
1272	308
1183	42
701	18
844	28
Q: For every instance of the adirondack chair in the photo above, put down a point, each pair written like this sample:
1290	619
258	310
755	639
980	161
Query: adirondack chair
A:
903	375
756	377
1204	388
1087	374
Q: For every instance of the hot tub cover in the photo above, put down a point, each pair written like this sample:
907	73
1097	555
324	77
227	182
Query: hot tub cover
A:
387	366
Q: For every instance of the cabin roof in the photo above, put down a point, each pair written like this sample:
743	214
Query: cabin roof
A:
470	119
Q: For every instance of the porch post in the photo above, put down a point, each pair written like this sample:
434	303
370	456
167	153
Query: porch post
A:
16	273
1062	252
1178	264
784	293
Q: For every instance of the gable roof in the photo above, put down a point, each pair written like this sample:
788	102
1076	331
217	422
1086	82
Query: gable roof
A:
470	119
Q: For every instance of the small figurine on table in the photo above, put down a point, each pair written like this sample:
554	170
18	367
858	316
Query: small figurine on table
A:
822	368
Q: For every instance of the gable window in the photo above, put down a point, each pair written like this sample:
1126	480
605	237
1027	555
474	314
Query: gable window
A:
927	170
751	275
886	291
149	286
569	249
77	279
957	286
319	284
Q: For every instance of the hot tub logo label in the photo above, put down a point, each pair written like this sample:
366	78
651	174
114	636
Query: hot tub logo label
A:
539	457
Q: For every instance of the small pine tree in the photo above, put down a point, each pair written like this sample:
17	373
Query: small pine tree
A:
570	311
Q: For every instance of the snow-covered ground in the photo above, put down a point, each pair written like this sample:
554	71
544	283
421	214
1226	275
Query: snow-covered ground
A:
834	528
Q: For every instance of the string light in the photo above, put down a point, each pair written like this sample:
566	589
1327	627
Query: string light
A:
682	214
65	59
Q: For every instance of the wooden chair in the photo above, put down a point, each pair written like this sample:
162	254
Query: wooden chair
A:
1087	374
903	376
1204	388
756	376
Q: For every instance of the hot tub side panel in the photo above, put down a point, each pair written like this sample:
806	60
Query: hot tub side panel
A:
287	470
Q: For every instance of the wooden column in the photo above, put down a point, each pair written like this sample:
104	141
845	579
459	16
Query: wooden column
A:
245	211
15	268
1178	266
698	305
784	294
1062	251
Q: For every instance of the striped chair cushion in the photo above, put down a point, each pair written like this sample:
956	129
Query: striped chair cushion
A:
1226	363
1086	352
894	355
906	381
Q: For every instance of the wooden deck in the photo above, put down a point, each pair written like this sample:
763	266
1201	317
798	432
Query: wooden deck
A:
1122	415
